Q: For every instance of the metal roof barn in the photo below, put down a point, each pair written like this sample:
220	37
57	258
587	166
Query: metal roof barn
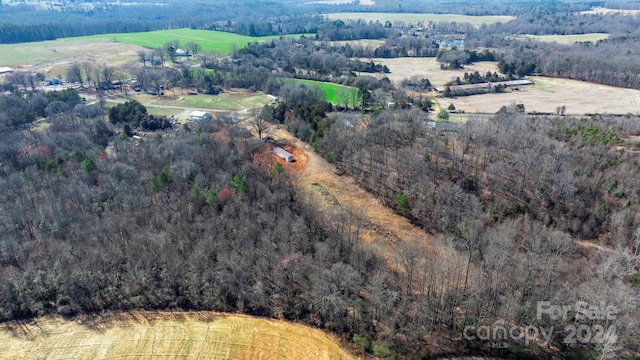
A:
283	154
485	85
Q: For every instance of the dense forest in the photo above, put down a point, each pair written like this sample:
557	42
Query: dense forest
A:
96	221
507	201
181	220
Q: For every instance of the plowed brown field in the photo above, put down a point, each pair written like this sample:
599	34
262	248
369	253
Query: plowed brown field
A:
166	335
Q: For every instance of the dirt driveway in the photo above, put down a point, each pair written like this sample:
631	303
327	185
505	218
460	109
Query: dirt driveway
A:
382	228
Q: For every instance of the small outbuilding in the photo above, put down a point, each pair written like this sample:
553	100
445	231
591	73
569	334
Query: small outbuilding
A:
52	81
443	126
182	52
283	154
488	85
5	70
199	115
272	99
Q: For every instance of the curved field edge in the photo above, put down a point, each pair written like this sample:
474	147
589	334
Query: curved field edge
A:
185	335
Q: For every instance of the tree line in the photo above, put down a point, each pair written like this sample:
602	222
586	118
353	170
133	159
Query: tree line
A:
25	23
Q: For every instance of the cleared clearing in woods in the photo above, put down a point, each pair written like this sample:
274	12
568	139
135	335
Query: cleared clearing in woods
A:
382	228
166	335
607	11
404	68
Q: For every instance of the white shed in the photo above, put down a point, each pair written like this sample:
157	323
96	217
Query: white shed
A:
199	115
272	99
283	154
181	52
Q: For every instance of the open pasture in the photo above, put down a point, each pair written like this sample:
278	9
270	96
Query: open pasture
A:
422	18
112	49
547	94
231	100
173	335
96	50
567	39
606	11
333	92
404	68
371	43
209	40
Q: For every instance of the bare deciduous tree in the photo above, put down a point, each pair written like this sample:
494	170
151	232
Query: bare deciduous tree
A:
258	122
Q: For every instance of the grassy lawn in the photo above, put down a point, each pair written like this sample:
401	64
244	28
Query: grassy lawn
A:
332	91
233	100
568	39
163	111
209	40
229	100
463	118
424	18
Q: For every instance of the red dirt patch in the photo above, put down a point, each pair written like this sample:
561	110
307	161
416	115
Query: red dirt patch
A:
298	154
266	159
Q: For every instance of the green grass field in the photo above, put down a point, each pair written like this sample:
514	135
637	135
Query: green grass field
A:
209	40
228	100
104	48
424	18
333	92
568	39
163	111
